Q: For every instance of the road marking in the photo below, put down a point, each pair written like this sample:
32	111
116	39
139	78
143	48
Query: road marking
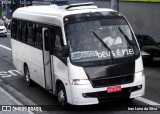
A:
149	102
5	47
12	98
10	73
144	100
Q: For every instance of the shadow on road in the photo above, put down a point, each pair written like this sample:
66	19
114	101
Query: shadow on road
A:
121	105
154	64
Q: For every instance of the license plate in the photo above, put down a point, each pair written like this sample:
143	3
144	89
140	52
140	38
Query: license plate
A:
113	89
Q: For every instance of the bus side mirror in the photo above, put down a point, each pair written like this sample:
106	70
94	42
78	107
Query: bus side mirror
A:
65	51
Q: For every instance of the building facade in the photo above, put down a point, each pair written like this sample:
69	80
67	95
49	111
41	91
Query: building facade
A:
143	16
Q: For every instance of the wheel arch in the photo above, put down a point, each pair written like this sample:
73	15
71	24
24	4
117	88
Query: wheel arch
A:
24	65
58	82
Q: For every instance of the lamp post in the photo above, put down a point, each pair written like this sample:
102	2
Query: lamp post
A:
115	5
25	4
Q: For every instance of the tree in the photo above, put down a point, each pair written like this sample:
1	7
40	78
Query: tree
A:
13	4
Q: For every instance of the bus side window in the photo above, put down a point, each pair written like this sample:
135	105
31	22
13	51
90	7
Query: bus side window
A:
34	42
24	32
38	36
14	28
19	30
58	44
29	33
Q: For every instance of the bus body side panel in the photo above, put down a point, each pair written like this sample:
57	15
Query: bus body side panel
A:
139	79
15	57
139	64
61	73
33	57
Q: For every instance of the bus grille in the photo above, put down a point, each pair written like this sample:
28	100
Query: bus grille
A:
110	81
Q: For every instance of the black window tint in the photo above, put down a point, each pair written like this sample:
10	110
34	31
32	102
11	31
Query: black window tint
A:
38	36
13	28
58	39
34	35
24	31
29	33
19	30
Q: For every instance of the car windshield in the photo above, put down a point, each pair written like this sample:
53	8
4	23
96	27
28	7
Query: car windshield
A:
1	24
148	41
101	39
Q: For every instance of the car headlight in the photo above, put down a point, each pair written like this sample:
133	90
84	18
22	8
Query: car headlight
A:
145	53
141	73
80	82
4	30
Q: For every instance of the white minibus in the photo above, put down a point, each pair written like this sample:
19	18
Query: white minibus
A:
81	53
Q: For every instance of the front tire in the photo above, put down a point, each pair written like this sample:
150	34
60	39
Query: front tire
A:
28	80
61	95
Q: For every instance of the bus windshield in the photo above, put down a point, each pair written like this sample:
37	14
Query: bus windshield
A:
101	39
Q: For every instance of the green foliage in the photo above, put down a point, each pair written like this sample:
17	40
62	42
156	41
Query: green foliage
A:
13	4
141	0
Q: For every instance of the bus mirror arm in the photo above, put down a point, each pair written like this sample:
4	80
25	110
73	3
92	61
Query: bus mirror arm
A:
65	51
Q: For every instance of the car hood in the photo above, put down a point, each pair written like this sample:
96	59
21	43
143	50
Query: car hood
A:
2	27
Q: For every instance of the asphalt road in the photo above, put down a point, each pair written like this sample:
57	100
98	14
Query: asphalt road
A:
14	84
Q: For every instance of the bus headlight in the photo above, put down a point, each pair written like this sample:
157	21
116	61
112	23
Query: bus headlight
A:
141	73
80	82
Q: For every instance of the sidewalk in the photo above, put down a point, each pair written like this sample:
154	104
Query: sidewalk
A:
7	99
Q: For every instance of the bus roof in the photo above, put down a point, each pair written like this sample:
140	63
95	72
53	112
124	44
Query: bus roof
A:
44	13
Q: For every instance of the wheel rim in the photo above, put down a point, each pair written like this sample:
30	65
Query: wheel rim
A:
27	76
61	96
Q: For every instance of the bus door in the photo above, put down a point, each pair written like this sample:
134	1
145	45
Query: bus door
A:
47	59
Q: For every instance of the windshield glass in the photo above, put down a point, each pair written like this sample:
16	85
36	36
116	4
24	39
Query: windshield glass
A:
1	24
102	39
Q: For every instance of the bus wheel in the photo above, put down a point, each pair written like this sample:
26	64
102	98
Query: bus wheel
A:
29	82
61	94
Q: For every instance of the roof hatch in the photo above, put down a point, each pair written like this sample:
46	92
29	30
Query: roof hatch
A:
80	5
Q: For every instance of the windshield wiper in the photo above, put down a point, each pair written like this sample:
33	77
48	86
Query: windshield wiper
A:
126	37
104	44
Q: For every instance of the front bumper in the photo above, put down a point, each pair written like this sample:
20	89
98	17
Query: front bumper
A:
3	33
86	94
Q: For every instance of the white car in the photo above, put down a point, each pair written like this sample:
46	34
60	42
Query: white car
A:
3	30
